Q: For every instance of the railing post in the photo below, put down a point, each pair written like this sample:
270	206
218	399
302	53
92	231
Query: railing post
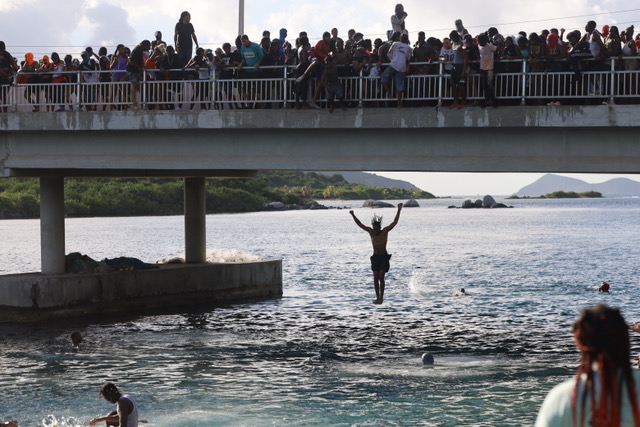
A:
78	92
285	87
13	95
360	89
523	74
440	82
214	91
143	90
612	85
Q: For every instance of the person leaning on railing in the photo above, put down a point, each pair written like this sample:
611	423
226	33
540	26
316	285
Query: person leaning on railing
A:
70	76
135	70
155	96
30	78
8	67
57	78
171	65
89	73
629	49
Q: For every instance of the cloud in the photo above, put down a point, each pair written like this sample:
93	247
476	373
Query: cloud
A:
109	25
69	25
40	26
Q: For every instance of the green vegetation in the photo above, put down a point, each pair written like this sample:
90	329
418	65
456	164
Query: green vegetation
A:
562	195
20	197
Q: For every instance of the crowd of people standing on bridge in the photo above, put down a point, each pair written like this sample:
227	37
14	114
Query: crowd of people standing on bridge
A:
316	67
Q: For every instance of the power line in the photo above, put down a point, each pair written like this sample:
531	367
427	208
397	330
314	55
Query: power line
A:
371	35
541	20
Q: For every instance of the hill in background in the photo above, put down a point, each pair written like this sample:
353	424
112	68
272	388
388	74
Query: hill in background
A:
373	180
550	183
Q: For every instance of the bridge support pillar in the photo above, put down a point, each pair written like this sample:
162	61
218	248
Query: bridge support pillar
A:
195	220
52	245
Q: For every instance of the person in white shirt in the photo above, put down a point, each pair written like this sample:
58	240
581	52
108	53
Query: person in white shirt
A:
399	54
605	390
126	414
397	20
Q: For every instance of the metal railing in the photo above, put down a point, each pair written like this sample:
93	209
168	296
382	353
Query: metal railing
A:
616	80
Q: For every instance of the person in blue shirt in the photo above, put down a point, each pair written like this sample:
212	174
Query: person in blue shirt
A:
252	55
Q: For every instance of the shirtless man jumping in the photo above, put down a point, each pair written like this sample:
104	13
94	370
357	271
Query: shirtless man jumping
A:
380	257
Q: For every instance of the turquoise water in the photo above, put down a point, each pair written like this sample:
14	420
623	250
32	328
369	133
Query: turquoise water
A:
323	354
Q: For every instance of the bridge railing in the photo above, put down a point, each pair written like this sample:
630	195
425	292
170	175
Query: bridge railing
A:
275	87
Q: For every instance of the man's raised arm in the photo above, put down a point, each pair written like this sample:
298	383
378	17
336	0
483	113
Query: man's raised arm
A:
361	225
395	220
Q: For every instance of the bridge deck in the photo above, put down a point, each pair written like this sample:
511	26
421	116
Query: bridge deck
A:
589	139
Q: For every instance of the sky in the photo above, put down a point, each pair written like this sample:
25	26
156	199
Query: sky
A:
68	26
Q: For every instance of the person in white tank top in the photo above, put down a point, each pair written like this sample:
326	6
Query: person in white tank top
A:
126	413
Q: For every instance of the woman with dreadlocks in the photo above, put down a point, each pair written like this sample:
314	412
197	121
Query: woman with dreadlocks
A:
604	392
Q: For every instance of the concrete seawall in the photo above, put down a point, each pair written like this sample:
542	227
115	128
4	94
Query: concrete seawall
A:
37	297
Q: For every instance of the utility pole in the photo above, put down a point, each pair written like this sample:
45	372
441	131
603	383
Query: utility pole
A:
241	17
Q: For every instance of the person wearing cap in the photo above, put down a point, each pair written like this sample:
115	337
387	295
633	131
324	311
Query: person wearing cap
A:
212	61
380	258
126	413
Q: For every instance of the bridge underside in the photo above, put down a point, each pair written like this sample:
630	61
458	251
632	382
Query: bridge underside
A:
596	139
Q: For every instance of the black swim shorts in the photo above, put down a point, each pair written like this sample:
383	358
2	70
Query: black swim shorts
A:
380	262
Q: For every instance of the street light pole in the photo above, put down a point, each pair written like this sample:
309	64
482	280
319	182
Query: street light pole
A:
241	17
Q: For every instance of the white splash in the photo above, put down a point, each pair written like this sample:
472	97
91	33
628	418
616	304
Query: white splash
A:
52	421
214	255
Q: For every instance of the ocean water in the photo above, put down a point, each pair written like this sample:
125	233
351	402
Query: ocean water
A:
323	354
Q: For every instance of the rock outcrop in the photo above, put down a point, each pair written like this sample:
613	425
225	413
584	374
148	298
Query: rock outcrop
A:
487	202
376	204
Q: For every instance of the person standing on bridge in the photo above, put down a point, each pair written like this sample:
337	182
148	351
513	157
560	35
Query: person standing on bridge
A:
380	258
184	36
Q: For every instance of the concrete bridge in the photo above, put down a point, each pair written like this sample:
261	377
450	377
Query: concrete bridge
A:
231	143
590	139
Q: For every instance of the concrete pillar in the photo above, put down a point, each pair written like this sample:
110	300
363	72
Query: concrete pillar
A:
52	249
195	228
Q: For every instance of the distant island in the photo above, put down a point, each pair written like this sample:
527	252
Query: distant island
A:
550	183
87	197
562	195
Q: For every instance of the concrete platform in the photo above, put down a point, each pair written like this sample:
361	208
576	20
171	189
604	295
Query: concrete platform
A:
37	297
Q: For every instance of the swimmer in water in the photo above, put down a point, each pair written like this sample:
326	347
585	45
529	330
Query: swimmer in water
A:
427	359
604	287
76	338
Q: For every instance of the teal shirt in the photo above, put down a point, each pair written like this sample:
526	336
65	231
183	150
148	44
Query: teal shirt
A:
251	55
